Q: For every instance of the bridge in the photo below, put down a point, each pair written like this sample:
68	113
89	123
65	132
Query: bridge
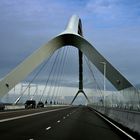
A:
107	113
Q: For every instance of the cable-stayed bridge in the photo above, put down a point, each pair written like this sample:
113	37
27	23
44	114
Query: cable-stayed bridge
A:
108	104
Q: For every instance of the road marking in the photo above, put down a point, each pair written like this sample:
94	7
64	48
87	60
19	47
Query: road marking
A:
73	112
34	114
13	111
31	139
58	121
18	110
64	117
115	126
48	128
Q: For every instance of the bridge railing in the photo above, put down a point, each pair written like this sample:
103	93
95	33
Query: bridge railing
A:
127	99
121	106
126	117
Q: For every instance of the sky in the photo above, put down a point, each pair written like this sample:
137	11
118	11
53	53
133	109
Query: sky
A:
111	26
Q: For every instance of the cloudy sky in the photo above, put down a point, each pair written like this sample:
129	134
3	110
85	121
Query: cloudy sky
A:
112	26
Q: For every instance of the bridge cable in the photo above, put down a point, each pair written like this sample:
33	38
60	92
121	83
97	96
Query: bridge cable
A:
35	92
60	78
50	74
58	75
54	76
59	91
37	73
89	66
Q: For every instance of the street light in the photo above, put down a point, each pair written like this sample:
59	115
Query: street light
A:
104	64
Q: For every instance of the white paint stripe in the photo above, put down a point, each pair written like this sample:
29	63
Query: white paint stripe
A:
73	112
13	111
58	121
115	126
28	115
48	128
31	139
64	117
67	114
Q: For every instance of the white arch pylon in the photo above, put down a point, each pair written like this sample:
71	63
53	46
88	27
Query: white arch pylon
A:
69	37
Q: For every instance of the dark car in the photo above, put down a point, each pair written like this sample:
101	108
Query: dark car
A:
30	104
40	104
2	106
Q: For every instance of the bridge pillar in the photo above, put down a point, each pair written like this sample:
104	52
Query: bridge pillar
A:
80	77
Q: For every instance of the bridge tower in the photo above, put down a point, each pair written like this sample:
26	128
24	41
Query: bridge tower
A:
80	32
80	78
71	36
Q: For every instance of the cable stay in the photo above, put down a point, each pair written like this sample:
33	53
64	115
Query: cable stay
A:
35	76
59	75
93	76
60	88
98	88
35	92
50	74
60	78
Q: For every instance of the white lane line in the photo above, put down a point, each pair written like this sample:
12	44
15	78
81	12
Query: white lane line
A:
48	128
31	139
116	126
64	117
28	115
73	112
67	114
14	111
58	121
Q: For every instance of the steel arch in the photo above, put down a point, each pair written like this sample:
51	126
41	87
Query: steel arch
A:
71	36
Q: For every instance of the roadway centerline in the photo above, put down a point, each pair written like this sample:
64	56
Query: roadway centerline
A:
48	128
68	115
58	121
29	115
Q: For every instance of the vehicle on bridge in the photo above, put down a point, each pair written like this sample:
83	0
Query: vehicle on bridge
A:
40	104
2	106
30	104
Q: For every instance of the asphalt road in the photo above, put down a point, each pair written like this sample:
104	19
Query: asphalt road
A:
69	123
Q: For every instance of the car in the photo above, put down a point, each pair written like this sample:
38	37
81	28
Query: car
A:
40	104
30	104
2	106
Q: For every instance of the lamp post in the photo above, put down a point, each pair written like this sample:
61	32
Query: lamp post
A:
104	64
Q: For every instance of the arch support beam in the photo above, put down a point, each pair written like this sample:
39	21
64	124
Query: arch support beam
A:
69	37
80	91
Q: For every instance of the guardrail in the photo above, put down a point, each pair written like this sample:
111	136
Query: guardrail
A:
13	107
129	119
10	107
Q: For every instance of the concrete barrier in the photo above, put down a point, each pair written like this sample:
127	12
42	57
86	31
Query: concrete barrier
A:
129	119
11	107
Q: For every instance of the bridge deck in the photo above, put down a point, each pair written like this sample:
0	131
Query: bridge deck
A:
71	123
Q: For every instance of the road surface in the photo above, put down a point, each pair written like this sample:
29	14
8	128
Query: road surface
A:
68	123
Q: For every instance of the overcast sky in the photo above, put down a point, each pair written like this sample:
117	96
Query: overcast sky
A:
112	26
